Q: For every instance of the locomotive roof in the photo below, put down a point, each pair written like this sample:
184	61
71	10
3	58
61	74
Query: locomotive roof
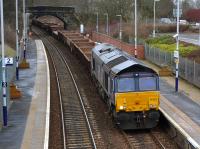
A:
118	61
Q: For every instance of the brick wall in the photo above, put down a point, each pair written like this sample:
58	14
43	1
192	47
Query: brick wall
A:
129	48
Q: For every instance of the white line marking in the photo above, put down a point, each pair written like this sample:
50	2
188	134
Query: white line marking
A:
46	137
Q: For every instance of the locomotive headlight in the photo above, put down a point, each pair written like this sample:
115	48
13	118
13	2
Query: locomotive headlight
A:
152	106
121	107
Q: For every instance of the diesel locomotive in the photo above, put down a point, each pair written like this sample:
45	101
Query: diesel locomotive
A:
130	88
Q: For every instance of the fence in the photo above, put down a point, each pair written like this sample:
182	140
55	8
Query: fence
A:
188	69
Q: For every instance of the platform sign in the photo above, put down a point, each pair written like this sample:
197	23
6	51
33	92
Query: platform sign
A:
176	54
176	60
9	60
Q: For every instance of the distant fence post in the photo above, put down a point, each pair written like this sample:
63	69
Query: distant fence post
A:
185	60
172	58
194	75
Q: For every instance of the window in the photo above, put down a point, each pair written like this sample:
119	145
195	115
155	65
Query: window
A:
111	85
93	64
126	84
147	83
106	81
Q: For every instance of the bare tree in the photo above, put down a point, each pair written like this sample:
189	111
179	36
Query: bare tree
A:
114	7
198	4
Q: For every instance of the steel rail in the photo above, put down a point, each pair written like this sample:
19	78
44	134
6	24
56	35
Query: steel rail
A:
75	84
156	140
134	141
60	99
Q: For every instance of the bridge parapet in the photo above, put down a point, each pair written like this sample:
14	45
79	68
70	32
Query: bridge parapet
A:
50	9
66	13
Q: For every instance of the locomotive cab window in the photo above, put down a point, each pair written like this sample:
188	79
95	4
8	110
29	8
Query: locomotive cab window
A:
126	84
148	84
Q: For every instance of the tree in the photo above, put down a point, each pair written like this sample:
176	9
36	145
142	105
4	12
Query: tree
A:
193	15
198	4
114	7
185	6
164	7
146	8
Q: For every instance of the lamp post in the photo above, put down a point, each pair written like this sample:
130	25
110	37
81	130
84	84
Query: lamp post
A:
120	26
199	32
97	23
24	28
135	52
17	43
154	18
4	82
106	14
176	52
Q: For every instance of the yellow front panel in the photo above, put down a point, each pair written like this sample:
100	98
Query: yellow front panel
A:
137	101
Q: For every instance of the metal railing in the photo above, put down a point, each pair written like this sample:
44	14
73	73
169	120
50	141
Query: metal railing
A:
188	69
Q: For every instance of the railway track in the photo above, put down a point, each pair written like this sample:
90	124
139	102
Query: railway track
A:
76	126
148	139
138	139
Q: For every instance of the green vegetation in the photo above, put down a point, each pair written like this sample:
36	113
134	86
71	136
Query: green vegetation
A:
9	51
166	39
168	43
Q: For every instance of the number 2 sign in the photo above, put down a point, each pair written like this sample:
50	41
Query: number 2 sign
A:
9	60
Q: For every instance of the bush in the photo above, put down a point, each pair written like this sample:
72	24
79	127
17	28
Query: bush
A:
184	51
125	36
168	43
171	28
167	39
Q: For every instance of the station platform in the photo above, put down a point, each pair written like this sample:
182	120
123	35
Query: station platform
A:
28	119
181	108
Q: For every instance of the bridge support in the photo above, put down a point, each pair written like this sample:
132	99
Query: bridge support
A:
65	25
65	14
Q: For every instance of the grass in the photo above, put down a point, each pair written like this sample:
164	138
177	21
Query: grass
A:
168	43
9	52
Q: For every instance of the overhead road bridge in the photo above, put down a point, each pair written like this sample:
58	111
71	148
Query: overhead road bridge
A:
66	14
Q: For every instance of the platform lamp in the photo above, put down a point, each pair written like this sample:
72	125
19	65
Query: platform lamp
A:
106	14
17	42
135	52
4	82
120	26
154	18
97	22
24	64
176	52
24	28
199	32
